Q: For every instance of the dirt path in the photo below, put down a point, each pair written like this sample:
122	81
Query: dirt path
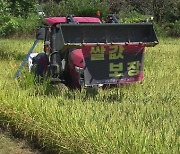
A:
10	145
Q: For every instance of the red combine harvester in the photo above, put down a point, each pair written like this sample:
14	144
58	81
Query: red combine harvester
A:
85	51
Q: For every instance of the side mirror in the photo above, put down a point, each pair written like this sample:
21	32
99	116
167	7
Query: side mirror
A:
40	33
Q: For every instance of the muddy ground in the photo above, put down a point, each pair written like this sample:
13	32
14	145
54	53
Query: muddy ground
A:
10	145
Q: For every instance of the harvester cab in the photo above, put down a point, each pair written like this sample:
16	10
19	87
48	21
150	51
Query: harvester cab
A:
111	18
85	51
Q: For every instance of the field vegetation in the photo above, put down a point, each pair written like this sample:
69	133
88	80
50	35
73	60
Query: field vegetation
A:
132	118
135	118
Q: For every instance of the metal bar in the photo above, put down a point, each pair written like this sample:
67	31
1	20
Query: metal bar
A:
126	43
25	59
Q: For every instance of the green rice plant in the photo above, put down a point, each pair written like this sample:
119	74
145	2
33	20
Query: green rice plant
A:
134	118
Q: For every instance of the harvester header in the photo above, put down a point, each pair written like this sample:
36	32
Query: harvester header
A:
91	34
107	34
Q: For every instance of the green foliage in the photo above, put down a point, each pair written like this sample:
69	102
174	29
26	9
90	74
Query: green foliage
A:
86	7
78	8
130	16
17	17
10	25
28	26
17	8
173	29
4	7
53	9
166	12
22	7
163	10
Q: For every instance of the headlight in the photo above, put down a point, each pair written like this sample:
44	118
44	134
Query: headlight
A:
79	69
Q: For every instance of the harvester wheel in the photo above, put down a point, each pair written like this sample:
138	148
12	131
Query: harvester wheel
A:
58	88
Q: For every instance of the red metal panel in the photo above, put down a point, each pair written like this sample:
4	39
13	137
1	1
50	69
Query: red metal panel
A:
54	20
87	20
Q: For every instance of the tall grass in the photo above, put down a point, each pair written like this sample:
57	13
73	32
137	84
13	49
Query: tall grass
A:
135	118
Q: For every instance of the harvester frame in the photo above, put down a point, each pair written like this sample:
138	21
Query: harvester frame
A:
70	43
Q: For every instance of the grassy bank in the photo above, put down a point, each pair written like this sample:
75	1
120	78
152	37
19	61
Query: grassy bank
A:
135	118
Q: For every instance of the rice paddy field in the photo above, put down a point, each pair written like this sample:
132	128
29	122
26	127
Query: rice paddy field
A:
134	118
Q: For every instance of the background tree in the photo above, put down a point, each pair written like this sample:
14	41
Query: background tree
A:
21	7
